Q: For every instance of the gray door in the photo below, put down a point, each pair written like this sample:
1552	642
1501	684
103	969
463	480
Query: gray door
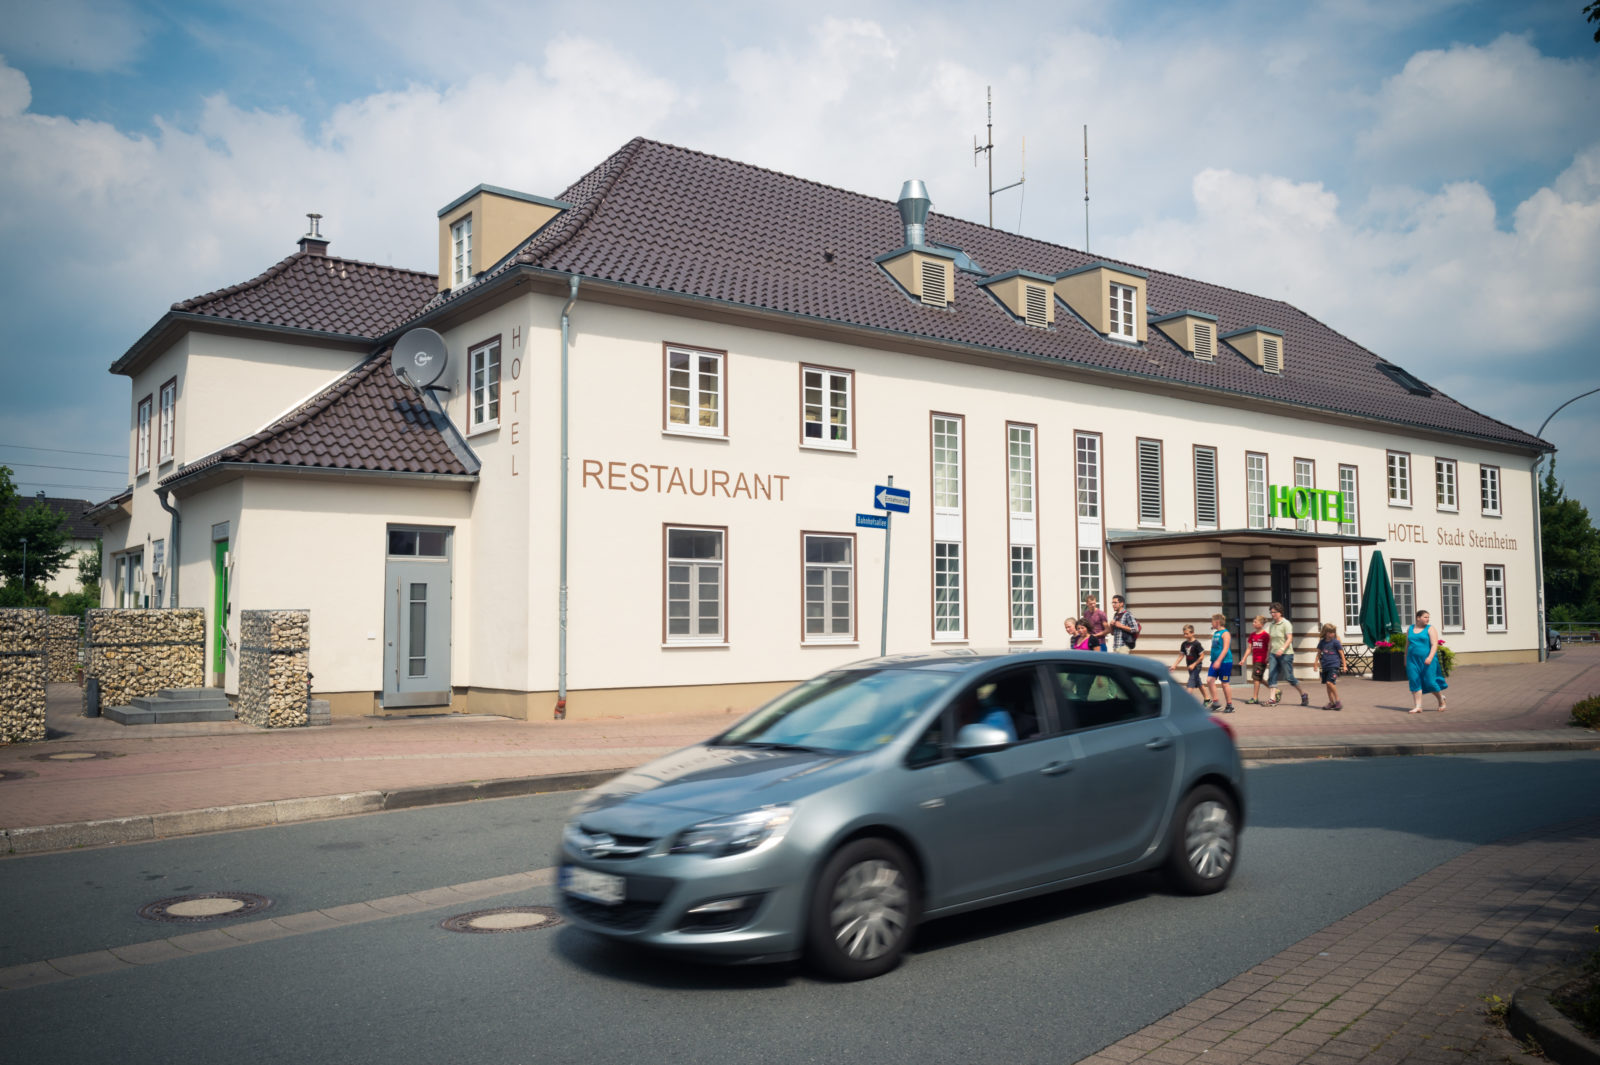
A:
416	618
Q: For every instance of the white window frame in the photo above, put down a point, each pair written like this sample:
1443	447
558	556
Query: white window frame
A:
1305	476
1022	504
1124	312
1350	571
483	400
694	581
1494	598
1445	493
1152	505
1398	465
826	573
1255	491
158	574
1446	583
828	404
1489	490
1086	450
1405	589
1091	575
166	438
461	251
1205	489
1347	488
947	461
691	384
141	445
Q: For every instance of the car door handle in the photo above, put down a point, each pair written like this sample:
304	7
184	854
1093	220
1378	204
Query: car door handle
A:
1055	769
1159	744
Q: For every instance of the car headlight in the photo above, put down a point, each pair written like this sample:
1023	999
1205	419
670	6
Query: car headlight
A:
738	834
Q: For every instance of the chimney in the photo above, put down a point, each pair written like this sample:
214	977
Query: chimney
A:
314	243
914	205
40	496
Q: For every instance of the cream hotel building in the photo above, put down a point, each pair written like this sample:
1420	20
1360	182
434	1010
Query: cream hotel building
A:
630	475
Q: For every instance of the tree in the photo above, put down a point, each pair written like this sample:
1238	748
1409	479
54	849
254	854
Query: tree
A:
1571	552
31	531
1591	13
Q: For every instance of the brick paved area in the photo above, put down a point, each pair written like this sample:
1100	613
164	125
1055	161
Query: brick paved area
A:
1403	979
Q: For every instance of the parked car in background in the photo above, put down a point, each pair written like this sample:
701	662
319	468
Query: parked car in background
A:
1552	640
831	821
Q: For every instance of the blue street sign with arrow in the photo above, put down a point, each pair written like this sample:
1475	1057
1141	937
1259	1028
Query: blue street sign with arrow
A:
895	499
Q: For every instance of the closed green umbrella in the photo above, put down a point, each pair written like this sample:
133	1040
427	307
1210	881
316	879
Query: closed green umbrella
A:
1380	618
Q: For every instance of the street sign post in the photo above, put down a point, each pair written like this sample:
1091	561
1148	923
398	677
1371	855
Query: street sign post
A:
872	521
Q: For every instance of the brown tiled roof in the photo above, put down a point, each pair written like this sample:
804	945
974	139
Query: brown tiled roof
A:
366	420
73	522
670	219
321	293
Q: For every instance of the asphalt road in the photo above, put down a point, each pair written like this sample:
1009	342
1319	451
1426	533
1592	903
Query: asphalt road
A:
1050	979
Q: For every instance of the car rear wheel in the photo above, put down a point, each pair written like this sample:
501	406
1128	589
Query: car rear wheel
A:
863	910
1205	841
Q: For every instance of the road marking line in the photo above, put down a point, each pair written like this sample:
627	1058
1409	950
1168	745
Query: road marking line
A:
283	926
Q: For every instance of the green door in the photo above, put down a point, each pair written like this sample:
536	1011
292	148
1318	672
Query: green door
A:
219	611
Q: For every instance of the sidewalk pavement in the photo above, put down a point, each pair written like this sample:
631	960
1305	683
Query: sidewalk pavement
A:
94	781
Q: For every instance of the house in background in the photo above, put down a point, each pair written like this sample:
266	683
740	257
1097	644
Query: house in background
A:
82	535
663	397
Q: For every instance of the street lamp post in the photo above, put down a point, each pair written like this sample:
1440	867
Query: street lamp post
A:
24	568
1538	529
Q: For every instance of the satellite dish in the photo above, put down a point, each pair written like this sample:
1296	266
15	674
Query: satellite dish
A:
419	357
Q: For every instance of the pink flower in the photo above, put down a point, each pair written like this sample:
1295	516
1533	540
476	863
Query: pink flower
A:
1383	645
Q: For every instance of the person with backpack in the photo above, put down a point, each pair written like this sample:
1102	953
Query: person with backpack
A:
1124	628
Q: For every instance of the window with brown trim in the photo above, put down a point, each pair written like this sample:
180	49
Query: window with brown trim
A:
1399	478
166	437
141	447
1444	484
1023	529
1489	490
1451	616
1150	501
483	363
695	388
1205	487
827	407
696	593
1305	476
1255	490
1494	598
828	585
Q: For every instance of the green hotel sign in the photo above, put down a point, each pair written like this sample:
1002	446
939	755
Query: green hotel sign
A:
1285	501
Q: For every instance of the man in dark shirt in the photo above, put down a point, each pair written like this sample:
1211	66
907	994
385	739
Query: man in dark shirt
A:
1095	619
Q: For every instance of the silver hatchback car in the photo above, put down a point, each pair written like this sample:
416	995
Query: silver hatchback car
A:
833	819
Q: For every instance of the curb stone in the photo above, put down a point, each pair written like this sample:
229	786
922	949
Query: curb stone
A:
46	838
1532	1015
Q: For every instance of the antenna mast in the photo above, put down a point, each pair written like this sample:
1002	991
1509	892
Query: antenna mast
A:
988	149
1086	186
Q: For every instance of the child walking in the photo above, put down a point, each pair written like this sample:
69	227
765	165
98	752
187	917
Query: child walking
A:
1258	638
1190	652
1330	659
1221	664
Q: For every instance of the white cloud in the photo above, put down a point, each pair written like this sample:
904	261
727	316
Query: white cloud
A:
88	35
1470	110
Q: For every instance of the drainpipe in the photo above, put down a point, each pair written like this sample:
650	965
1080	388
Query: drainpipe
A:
172	550
1538	560
561	653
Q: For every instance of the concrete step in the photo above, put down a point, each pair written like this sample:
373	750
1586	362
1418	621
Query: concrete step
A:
156	711
182	699
319	712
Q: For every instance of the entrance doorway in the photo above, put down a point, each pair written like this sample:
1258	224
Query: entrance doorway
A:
416	617
219	612
1233	604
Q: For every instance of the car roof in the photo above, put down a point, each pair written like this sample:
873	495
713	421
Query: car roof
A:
974	660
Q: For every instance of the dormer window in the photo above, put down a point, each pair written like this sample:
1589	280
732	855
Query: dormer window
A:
933	291
1036	302
1261	345
1121	318
1193	331
461	252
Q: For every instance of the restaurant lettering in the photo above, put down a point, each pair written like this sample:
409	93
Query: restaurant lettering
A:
1416	534
693	481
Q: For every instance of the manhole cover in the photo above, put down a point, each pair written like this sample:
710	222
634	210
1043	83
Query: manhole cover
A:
72	756
211	906
504	919
15	774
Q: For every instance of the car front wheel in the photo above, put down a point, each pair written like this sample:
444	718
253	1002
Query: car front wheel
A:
863	910
1205	841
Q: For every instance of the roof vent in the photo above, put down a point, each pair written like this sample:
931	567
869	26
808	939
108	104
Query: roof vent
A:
314	243
914	206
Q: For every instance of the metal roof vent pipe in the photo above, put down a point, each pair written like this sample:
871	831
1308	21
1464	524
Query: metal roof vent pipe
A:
914	205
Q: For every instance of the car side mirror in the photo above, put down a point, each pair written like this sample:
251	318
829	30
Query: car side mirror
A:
976	739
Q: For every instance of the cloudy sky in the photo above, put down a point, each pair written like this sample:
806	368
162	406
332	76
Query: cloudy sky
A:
1423	175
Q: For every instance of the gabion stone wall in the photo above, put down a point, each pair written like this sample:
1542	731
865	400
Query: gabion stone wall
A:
139	652
22	637
274	664
61	648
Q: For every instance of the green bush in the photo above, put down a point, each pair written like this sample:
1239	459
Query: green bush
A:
1447	660
1586	712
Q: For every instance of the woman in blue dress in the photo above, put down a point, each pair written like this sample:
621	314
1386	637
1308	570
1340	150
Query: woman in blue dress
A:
1422	663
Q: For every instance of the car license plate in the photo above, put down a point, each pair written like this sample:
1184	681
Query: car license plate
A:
606	888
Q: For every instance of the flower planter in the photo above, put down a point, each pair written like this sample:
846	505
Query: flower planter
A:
1386	665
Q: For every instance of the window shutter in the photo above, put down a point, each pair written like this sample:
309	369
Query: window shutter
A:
1205	488
1205	348
1271	355
1150	482
1037	305
933	287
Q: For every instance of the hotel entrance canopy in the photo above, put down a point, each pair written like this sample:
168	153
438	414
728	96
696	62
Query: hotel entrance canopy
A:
1237	538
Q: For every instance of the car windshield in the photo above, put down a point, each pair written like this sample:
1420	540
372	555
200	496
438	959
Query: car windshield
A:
850	712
